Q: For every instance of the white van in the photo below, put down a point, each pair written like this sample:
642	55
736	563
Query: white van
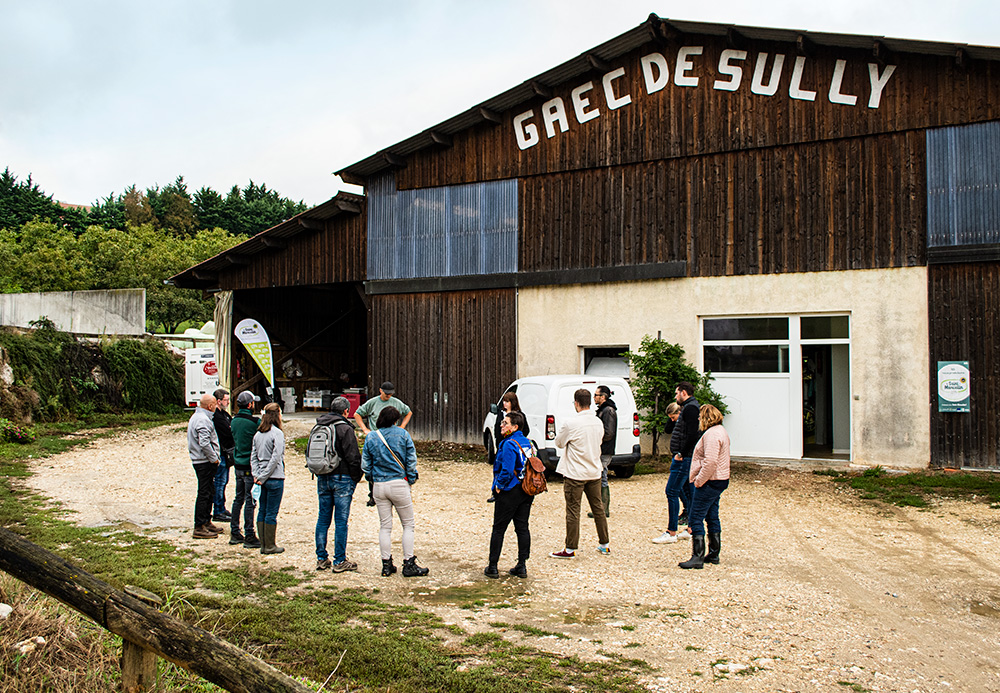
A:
547	400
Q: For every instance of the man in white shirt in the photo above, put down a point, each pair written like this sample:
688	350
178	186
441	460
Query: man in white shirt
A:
580	436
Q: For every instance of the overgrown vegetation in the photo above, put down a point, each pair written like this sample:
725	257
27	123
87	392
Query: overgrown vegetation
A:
917	489
58	376
278	615
658	366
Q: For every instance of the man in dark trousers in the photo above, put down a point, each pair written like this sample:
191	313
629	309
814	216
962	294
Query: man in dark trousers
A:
222	421
203	448
336	489
244	425
607	412
682	442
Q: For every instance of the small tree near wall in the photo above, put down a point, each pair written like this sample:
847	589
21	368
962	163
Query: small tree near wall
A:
658	366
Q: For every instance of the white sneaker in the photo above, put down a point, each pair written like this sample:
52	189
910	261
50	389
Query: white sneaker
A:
666	538
683	534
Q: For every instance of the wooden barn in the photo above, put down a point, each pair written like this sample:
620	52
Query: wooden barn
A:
814	217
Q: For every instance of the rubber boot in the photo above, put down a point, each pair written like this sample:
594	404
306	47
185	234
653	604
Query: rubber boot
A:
269	545
714	544
697	559
387	567
411	569
260	535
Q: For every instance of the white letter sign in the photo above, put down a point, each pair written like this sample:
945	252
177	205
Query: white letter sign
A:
734	71
580	103
661	78
527	135
684	65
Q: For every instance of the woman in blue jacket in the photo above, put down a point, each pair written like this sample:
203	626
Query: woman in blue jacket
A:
389	459
512	502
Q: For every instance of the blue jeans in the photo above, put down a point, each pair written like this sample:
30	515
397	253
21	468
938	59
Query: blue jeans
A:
705	508
678	491
221	479
336	491
270	500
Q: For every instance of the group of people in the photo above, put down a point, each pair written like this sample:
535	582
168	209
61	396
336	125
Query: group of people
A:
699	473
255	448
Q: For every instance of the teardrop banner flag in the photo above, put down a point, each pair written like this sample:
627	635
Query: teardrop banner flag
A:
255	339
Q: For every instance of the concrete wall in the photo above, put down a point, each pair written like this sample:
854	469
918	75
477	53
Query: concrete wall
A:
889	358
115	311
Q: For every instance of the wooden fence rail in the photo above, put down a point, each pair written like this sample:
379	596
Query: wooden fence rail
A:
194	649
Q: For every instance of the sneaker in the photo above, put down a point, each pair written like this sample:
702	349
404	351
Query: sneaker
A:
236	538
666	538
562	554
222	517
491	499
344	566
491	572
683	534
324	564
251	543
604	550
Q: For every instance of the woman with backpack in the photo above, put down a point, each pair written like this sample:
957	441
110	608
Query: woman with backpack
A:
267	464
509	403
389	459
512	503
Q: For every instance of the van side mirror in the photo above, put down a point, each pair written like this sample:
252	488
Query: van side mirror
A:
493	409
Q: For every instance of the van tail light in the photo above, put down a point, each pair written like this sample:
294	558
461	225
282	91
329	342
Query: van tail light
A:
635	424
550	427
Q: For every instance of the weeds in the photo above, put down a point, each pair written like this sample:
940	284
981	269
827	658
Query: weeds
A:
529	630
917	489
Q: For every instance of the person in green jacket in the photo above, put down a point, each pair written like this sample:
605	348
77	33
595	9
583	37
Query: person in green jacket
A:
244	425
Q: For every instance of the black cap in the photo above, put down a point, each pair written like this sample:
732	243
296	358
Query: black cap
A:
387	388
245	398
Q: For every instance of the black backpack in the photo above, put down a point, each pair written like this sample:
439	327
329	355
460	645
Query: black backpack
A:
322	457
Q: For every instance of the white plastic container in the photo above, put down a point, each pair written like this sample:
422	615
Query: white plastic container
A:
201	375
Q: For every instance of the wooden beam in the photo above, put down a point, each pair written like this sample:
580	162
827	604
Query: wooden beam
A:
276	243
236	259
442	139
312	224
736	40
489	115
201	275
961	58
883	56
597	63
540	89
670	33
394	160
805	46
348	206
190	647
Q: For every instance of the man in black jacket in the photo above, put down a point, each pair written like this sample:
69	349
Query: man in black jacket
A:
607	412
682	442
336	489
223	428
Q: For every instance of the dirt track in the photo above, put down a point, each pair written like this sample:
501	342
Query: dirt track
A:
817	590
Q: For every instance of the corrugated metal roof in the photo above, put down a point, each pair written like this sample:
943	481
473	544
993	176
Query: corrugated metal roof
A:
652	29
200	276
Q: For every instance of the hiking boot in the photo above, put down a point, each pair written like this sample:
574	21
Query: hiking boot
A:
387	567
222	517
251	541
344	566
203	532
324	564
563	554
520	570
666	538
236	538
411	569
491	572
697	559
714	546
212	528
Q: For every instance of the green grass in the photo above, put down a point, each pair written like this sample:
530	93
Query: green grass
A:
302	628
918	489
529	630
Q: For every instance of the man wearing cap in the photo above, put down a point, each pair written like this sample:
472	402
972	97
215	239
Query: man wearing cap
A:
371	408
370	411
244	425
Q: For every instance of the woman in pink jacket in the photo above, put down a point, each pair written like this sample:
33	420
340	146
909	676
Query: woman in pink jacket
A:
710	476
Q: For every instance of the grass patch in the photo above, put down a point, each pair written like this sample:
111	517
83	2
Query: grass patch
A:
529	630
693	648
853	686
275	614
919	489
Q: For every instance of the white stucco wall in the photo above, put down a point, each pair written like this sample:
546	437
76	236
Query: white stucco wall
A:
889	360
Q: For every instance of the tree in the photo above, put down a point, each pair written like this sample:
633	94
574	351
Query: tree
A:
658	367
44	256
20	202
137	208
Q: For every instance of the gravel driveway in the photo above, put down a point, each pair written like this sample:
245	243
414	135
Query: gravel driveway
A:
817	589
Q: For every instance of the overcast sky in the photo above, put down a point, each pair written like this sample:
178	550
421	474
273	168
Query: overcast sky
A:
97	95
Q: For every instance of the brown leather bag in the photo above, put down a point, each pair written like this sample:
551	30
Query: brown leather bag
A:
533	482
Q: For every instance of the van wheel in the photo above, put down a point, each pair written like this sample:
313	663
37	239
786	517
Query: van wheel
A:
623	472
488	444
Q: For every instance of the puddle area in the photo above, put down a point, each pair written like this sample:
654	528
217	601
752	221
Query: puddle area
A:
590	615
496	594
984	609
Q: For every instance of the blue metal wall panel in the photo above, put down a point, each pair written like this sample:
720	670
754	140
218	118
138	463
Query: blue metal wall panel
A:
963	185
441	232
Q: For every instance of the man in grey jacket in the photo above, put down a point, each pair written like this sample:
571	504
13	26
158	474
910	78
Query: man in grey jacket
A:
203	447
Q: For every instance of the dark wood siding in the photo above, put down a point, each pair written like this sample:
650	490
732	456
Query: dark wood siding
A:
858	203
331	255
924	91
965	326
448	354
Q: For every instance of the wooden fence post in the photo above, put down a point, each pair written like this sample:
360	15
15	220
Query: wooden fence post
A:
138	663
